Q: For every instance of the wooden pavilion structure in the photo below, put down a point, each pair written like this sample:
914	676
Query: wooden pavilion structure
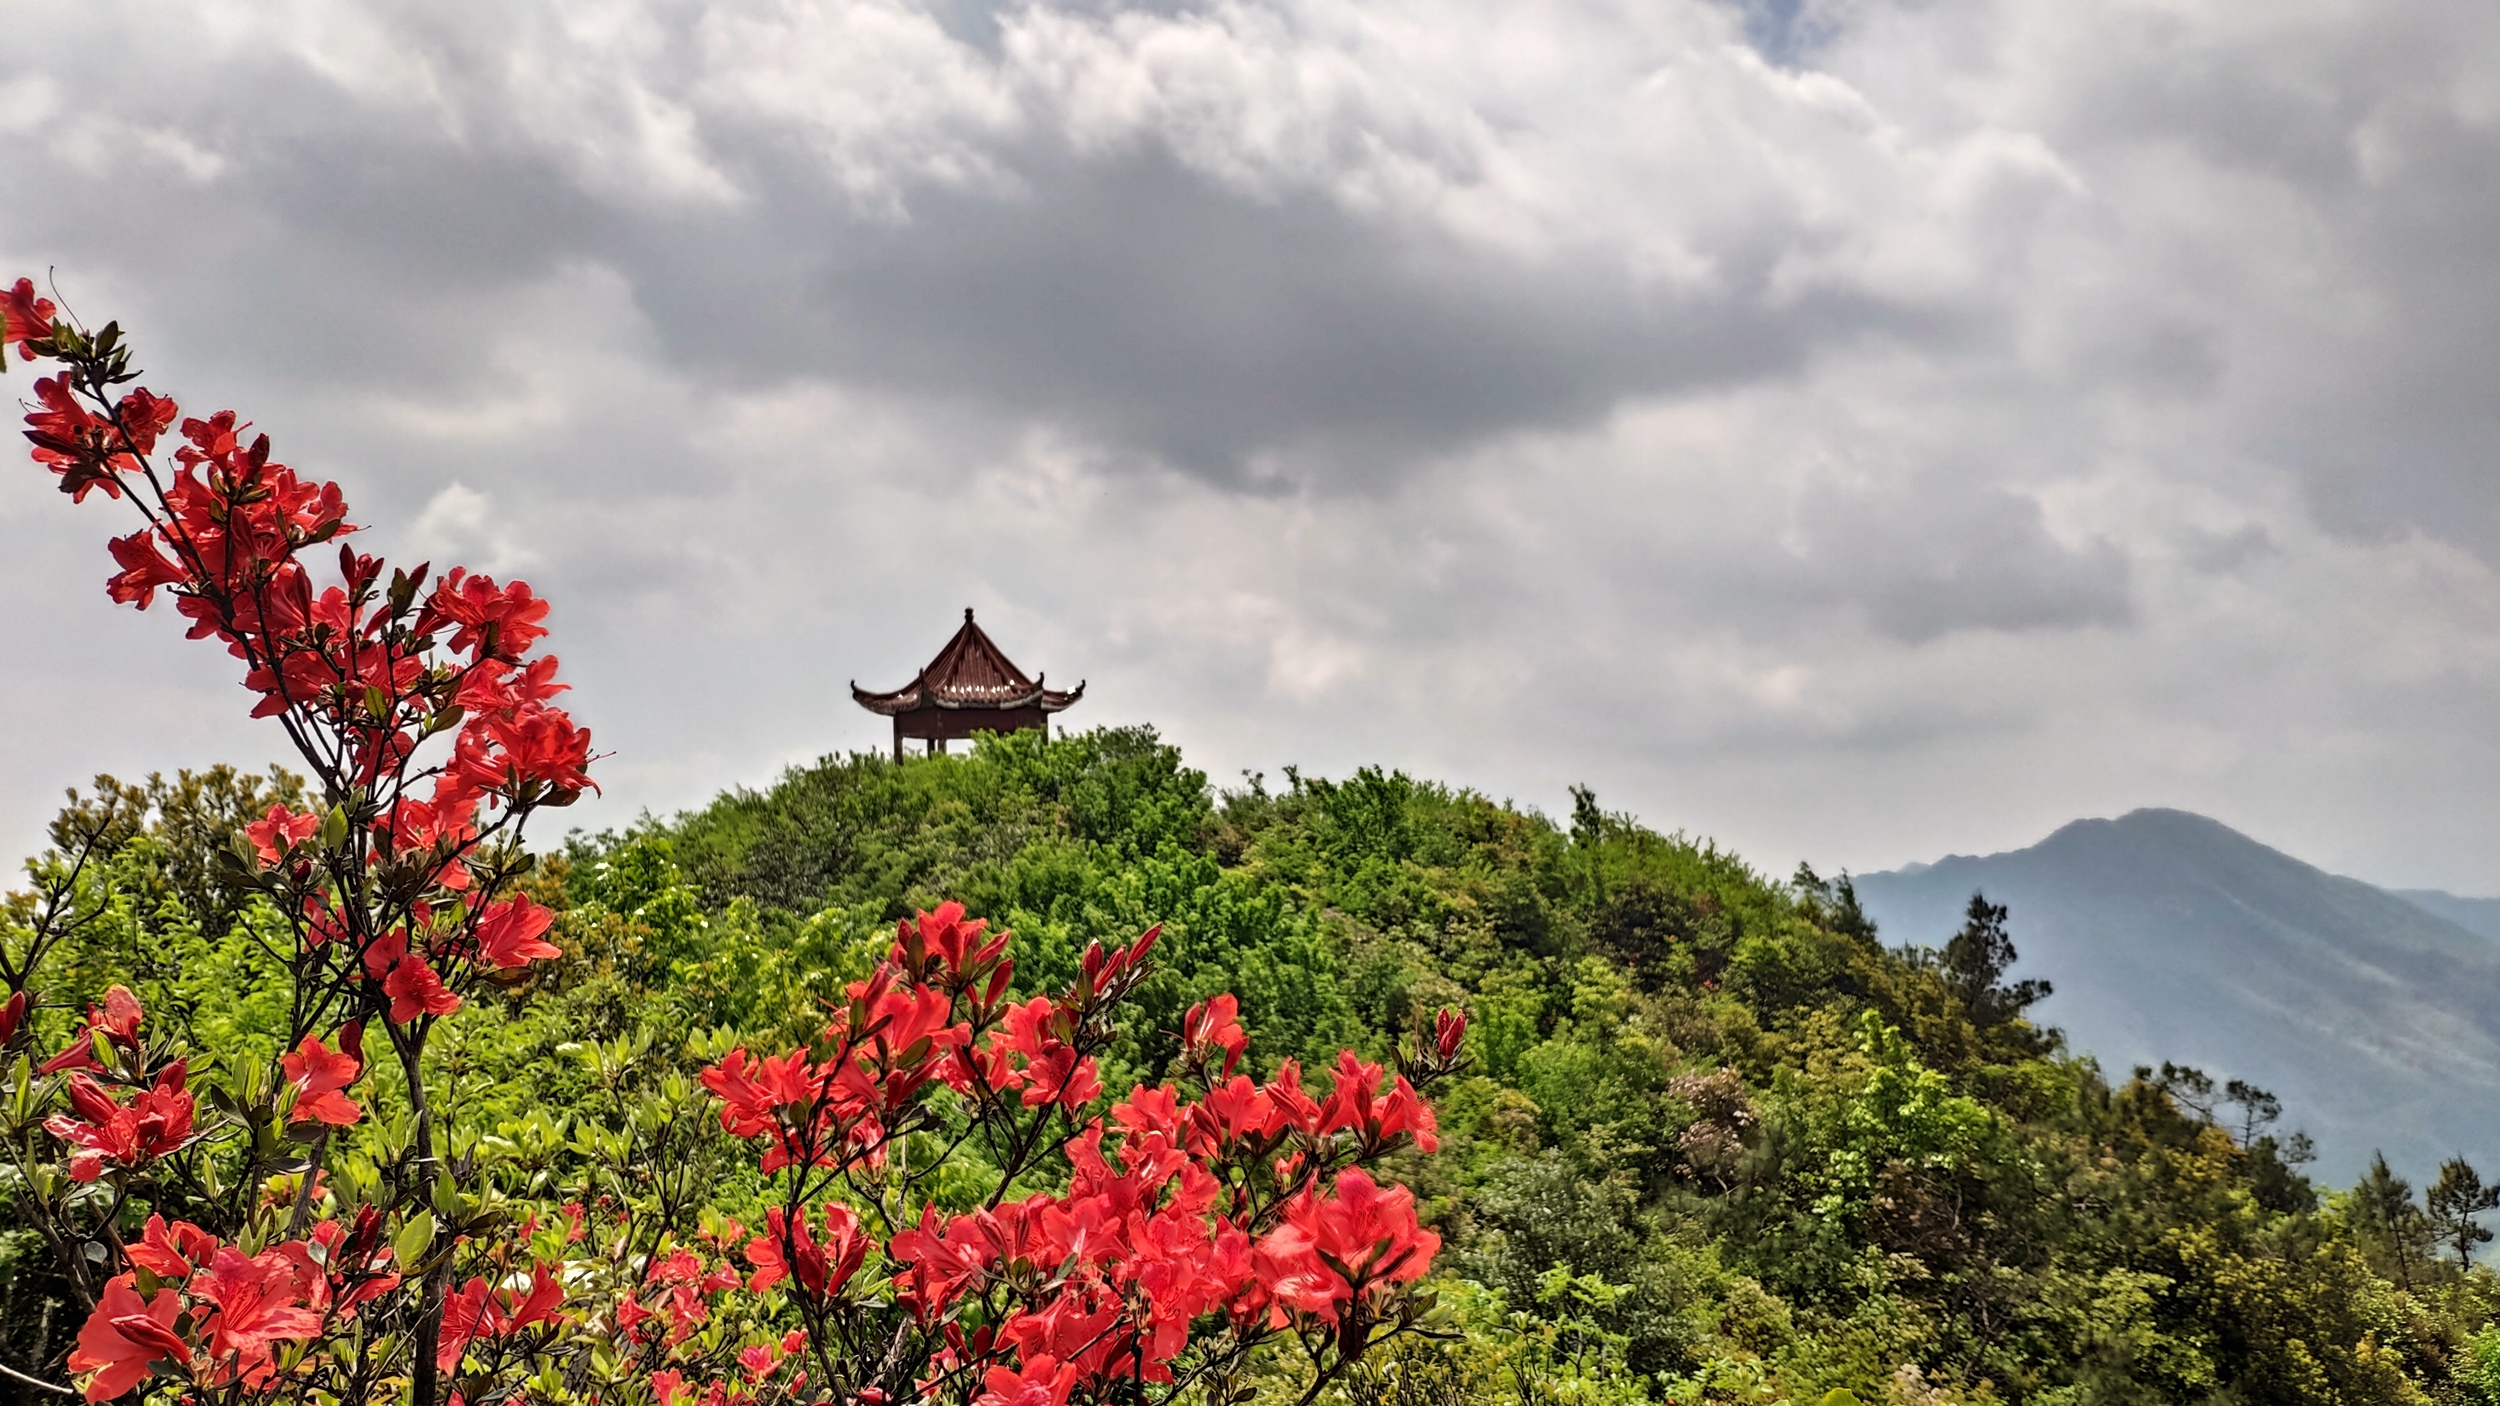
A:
970	687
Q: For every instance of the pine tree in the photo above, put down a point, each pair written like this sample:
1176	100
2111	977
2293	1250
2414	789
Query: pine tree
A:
2390	1223
2455	1200
1975	962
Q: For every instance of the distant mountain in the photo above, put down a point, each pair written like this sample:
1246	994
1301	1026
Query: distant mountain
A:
2475	915
2376	1018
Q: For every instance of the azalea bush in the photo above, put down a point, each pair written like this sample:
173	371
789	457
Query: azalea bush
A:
942	1200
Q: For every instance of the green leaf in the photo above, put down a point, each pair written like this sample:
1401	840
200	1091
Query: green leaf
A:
415	1238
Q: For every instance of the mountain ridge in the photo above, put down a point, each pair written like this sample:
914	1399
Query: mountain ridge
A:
2480	916
2171	936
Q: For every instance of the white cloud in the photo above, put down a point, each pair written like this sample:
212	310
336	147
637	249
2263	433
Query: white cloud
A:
459	525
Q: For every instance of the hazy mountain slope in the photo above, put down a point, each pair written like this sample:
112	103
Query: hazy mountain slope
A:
2170	936
2475	915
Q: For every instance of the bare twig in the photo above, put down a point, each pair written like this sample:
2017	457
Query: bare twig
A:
38	1381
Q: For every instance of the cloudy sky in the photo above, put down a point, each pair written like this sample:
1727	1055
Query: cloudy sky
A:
1856	430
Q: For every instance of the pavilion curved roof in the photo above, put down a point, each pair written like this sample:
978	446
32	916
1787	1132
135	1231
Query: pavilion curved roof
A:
970	672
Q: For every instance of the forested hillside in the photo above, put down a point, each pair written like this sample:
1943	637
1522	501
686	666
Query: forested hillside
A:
1718	1143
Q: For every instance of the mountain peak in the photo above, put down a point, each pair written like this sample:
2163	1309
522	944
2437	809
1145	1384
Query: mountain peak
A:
2171	936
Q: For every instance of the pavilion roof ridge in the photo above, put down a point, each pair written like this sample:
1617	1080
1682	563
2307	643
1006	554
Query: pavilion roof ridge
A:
970	671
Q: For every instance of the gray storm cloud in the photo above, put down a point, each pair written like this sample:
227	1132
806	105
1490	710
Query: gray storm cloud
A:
1856	430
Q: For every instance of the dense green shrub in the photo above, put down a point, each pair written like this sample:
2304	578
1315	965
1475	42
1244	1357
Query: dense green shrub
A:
1723	1144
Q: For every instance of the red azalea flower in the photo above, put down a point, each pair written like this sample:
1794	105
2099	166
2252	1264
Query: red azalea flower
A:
144	567
494	624
144	416
1037	1032
758	1361
259	1301
24	317
751	1089
415	989
530	746
117	1020
279	831
961	949
125	1334
320	1076
172	1253
1215	1023
1294	1108
1043	1382
1233	1111
154	1123
508	935
786	1249
1329	1251
479	1312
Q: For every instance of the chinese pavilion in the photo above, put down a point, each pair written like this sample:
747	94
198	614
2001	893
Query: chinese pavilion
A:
970	687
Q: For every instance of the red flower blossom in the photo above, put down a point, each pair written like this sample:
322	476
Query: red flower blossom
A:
24	317
151	1125
785	1249
414	825
1233	1111
494	624
117	1020
488	688
281	830
172	1253
1294	1108
1037	1033
941	1256
125	1334
1215	1023
144	567
259	1301
479	1312
145	416
1043	1382
751	1089
416	989
508	935
320	1076
531	749
946	945
1331	1251
1356	1104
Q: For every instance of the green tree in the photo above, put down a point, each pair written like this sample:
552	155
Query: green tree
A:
2455	1199
1975	961
2258	1109
2392	1225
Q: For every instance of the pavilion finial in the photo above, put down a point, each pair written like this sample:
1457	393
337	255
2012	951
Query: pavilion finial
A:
967	615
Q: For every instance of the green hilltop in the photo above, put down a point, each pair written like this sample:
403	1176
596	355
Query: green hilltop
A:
1720	1143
